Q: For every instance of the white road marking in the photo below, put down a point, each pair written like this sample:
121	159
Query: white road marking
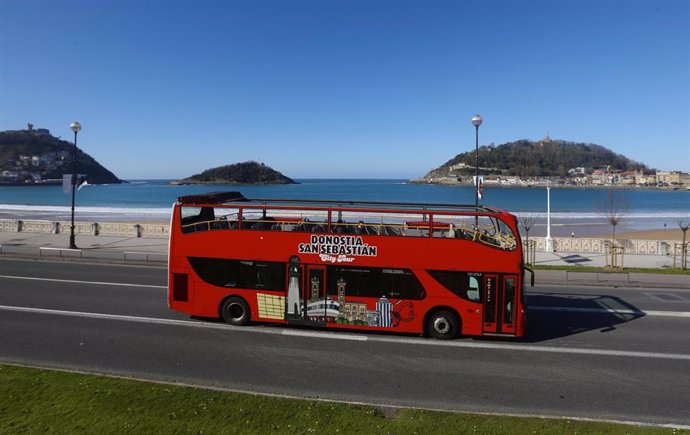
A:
614	311
339	336
532	348
298	333
74	281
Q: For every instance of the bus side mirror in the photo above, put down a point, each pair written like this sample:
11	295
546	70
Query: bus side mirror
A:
531	280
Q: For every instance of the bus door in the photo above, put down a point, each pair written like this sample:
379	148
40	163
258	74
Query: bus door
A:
507	308
499	304
305	301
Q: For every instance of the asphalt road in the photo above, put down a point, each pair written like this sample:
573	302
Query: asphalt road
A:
603	353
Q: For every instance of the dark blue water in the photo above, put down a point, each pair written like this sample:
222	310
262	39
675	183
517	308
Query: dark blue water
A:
151	199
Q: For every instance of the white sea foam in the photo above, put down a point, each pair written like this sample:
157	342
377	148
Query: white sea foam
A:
600	215
87	212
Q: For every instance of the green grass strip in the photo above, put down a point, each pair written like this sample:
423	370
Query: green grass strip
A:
47	401
660	271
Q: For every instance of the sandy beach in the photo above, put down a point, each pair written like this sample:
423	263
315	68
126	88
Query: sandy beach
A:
674	234
641	228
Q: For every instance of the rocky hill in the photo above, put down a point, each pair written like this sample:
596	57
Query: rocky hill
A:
524	158
238	173
31	156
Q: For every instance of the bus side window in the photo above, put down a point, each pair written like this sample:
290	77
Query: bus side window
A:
473	289
463	284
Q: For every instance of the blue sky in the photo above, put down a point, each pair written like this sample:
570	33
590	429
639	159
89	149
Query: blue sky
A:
345	88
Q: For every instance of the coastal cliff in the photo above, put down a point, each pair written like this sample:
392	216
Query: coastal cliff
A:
36	157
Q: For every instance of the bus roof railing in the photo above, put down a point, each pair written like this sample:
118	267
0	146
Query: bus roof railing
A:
230	197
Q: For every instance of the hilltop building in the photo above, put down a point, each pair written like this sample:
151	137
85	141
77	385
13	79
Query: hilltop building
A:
546	141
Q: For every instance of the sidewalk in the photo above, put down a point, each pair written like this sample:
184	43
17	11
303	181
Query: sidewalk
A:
607	279
93	248
153	251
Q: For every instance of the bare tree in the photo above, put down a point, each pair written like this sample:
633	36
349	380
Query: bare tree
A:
528	220
684	225
614	207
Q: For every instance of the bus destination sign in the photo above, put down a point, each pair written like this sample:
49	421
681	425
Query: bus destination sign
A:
337	249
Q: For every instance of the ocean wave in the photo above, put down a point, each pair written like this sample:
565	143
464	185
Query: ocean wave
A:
597	215
119	211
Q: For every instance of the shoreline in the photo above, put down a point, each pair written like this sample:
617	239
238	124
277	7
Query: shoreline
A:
675	235
490	185
659	228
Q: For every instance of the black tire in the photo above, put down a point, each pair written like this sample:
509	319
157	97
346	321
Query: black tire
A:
235	311
443	325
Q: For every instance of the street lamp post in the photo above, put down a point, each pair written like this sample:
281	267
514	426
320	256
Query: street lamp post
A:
75	127
549	239
476	121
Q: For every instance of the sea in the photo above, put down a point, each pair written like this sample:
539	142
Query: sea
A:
573	210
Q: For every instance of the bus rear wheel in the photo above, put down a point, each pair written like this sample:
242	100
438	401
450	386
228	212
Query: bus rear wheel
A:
235	311
443	325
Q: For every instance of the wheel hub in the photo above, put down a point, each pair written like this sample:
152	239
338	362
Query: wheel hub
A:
236	311
441	325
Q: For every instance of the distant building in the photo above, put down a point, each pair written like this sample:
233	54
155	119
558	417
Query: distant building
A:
673	178
458	166
580	170
646	180
10	174
630	177
547	140
600	177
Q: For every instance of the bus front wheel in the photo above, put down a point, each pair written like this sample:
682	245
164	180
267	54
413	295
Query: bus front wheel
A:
443	325
235	311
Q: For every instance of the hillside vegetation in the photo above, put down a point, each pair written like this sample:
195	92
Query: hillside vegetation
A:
54	158
239	173
525	158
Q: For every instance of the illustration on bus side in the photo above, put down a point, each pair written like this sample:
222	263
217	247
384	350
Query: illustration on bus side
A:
313	307
294	302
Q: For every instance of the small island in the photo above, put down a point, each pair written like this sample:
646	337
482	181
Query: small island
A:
238	173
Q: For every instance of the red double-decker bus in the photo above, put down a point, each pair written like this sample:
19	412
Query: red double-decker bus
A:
435	269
